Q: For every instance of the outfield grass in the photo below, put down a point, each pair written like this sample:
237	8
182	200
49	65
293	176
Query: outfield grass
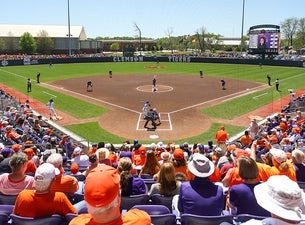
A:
290	78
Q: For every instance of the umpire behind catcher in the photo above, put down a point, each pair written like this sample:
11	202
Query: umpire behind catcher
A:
150	117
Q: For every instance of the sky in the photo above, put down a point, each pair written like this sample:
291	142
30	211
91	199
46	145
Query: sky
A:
155	18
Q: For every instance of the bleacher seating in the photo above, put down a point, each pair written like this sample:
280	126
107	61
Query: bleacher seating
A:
189	219
51	220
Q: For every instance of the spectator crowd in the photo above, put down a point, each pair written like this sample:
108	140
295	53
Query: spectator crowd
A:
47	172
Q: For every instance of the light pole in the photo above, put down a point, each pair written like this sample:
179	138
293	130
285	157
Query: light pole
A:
69	30
242	28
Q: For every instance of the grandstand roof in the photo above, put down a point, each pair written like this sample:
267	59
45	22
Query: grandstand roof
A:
54	31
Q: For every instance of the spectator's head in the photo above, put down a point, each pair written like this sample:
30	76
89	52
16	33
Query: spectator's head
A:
165	156
93	158
247	168
124	168
29	152
44	177
56	160
18	162
125	164
279	158
297	156
201	166
282	197
16	147
167	179
178	154
74	168
77	150
102	194
102	153
7	152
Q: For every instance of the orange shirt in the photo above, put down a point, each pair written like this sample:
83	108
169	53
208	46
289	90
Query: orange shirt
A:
29	204
183	171
221	136
265	171
246	140
132	217
65	183
31	167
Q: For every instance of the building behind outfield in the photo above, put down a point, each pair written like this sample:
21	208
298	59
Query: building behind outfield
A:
60	35
79	43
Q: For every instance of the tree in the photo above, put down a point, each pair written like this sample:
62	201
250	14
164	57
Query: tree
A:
169	33
115	47
27	43
289	27
300	40
2	44
44	42
201	38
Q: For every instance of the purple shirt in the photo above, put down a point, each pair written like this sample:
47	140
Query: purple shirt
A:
300	172
201	197
136	186
242	197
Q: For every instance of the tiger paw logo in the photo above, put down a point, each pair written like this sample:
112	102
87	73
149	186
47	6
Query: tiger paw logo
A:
4	63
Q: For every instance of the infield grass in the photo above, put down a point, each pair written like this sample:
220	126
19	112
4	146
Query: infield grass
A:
15	77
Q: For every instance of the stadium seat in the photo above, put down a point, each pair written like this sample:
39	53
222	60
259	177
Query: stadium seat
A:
190	219
51	220
241	218
153	209
159	214
127	202
4	218
157	199
7	209
149	182
7	199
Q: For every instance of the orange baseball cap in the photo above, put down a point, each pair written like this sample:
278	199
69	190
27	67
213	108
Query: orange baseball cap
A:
178	154
16	147
29	151
102	186
74	168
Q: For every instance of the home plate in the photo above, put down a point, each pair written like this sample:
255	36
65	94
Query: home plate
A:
154	136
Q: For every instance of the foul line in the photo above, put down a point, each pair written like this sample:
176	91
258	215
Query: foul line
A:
47	93
224	98
95	99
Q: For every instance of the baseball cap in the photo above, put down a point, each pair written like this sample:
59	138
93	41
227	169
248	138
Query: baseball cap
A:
278	154
74	168
29	151
46	171
102	185
16	147
77	150
6	151
178	154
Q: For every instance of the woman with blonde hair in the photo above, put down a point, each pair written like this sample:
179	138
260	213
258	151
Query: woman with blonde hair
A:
166	183
281	165
130	185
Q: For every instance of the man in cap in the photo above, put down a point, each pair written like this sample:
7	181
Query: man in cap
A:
42	202
103	200
283	198
200	196
64	183
80	158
